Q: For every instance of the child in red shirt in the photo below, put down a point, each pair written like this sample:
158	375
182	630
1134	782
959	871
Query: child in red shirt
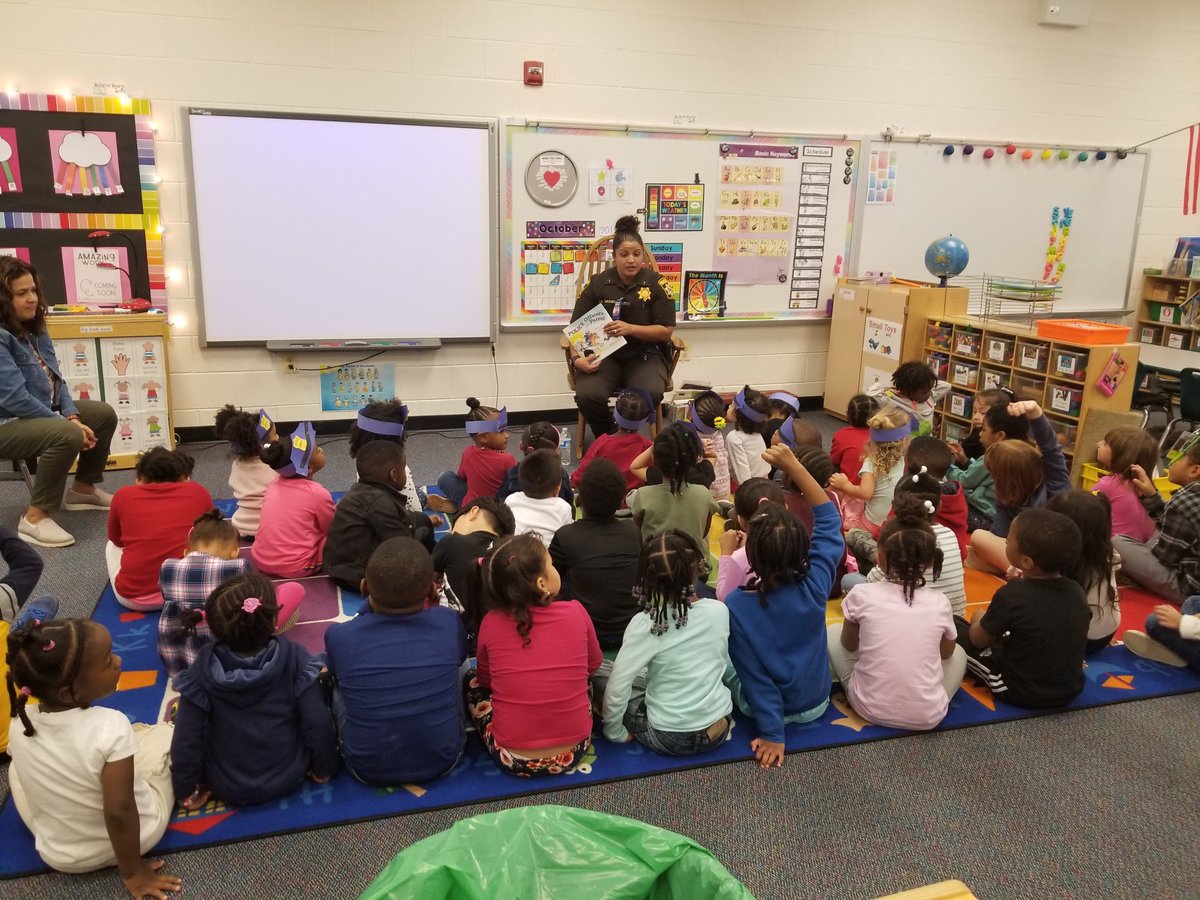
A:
483	465
148	522
529	695
634	408
849	443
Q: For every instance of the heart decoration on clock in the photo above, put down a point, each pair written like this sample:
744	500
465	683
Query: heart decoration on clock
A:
551	178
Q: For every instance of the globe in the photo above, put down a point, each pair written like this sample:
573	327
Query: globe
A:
946	257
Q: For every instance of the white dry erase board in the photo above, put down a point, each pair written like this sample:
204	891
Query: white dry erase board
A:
339	228
1001	208
764	224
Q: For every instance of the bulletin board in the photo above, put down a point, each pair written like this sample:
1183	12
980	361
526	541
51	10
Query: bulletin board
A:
1003	207
73	166
744	227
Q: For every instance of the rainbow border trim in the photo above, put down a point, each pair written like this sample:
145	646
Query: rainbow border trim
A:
150	221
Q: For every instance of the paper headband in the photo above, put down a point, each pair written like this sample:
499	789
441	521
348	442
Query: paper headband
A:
378	426
786	398
634	424
263	424
485	426
787	432
743	408
890	435
304	444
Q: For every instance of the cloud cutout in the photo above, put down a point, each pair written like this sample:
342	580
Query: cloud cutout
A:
84	150
5	150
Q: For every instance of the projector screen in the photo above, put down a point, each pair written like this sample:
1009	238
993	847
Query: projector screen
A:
317	228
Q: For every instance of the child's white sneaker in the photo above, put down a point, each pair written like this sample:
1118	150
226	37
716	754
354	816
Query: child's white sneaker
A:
1141	644
46	533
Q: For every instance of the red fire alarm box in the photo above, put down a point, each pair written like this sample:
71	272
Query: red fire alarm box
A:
534	72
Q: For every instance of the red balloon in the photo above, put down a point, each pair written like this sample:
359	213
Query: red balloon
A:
989	153
1010	149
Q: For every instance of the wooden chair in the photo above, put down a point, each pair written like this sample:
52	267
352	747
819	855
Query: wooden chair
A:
595	262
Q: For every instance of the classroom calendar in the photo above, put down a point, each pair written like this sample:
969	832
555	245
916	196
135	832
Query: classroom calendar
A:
550	273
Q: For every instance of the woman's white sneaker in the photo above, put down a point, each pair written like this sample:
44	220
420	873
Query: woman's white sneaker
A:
46	533
76	501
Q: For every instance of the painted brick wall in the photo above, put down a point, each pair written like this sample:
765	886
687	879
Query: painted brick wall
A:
976	68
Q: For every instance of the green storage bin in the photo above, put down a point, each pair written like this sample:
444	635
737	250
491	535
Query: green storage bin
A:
1166	313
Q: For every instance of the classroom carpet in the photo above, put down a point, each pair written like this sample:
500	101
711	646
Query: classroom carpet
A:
1113	676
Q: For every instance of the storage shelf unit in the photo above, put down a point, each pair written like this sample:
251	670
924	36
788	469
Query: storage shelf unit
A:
1060	375
1169	312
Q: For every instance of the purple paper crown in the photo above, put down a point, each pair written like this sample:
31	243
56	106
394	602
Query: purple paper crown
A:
891	435
786	398
263	424
635	424
379	426
304	444
743	408
485	426
787	432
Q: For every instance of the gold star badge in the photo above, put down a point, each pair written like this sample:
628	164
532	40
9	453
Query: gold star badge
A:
644	293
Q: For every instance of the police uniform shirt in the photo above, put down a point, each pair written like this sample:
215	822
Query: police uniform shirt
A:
644	302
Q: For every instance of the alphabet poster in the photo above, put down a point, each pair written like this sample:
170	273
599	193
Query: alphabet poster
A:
354	386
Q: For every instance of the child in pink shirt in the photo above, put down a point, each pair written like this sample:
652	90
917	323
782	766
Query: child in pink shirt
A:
733	569
528	695
296	510
1122	448
249	476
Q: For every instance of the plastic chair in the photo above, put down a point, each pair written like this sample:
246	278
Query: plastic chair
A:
1189	409
1149	395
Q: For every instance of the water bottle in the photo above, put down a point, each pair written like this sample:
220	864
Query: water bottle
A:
564	447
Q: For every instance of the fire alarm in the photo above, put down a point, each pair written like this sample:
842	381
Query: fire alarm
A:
534	72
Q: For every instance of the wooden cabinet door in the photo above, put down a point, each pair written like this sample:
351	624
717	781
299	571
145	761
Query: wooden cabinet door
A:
844	361
883	337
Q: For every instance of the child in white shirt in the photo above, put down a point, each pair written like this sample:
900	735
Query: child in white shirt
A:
748	413
537	508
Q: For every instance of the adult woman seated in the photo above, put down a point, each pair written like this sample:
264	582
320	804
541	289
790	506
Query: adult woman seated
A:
642	313
38	418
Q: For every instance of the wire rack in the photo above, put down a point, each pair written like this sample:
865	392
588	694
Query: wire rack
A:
1012	299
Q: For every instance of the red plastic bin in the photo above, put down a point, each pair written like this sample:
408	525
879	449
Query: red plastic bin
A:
1082	331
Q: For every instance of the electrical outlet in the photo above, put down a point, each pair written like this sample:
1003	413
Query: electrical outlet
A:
287	363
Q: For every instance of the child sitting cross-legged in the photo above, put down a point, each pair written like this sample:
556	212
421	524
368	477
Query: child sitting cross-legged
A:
952	511
373	510
972	447
708	418
882	467
682	641
1095	569
634	409
744	441
484	463
529	695
94	790
777	624
252	721
996	424
396	695
896	655
476	528
597	556
1172	636
538	436
1119	451
248	476
537	508
676	503
733	569
1028	647
781	406
386	420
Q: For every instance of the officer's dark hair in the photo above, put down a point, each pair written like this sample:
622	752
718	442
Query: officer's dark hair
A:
626	231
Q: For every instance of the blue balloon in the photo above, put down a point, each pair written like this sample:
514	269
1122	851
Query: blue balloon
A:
946	257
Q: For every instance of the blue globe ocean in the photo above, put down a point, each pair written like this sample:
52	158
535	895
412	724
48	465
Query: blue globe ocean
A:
946	257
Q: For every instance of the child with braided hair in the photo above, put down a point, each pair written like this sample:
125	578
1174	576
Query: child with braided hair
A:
777	625
252	721
683	643
708	416
633	411
94	790
676	503
896	654
538	436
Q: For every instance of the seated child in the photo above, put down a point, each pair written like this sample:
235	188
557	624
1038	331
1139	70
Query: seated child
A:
881	468
780	407
685	706
1025	478
373	510
1095	569
1172	636
538	436
702	471
777	625
797	433
633	412
148	522
745	442
476	528
212	557
676	503
1027	648
733	569
597	556
935	456
296	510
972	446
252	721
94	790
896	655
397	700
977	483
249	475
529	696
1119	451
385	420
537	509
484	462
820	466
915	391
1168	564
850	443
708	418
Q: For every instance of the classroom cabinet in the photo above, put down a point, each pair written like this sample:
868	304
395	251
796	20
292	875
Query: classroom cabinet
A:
877	327
1169	312
122	360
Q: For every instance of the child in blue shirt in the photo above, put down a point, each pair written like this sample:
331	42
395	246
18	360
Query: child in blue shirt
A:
777	636
396	699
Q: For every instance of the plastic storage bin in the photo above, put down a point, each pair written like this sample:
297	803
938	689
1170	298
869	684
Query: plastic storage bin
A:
1066	432
1176	340
1082	331
964	373
1092	473
999	349
1068	363
938	336
1151	334
1027	388
967	341
939	363
955	431
1032	357
1167	313
1062	398
960	404
993	378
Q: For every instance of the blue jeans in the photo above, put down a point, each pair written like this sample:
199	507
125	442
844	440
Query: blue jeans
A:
851	580
1169	637
674	743
453	486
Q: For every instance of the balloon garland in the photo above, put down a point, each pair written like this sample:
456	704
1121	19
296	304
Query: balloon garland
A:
1058	244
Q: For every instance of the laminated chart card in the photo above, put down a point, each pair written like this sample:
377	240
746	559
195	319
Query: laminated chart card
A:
550	273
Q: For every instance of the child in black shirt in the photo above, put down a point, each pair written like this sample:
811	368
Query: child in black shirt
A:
480	523
1028	646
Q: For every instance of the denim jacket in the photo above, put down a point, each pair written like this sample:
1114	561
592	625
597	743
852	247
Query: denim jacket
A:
24	388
